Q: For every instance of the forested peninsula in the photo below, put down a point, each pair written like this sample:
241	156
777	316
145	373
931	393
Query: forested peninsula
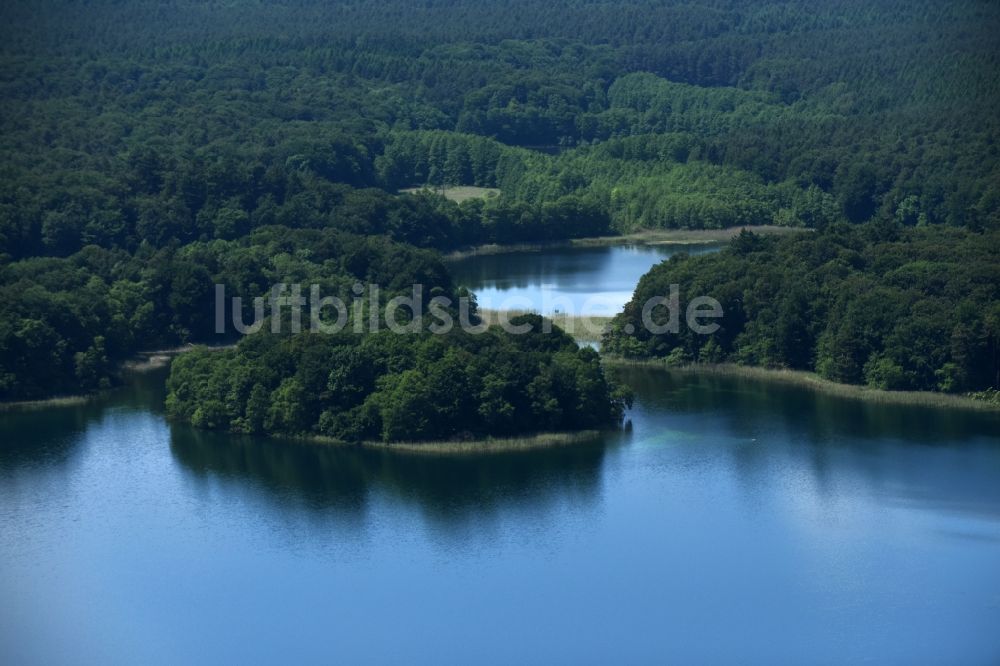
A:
880	305
390	387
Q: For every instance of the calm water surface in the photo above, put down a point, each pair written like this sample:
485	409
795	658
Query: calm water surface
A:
594	281
731	521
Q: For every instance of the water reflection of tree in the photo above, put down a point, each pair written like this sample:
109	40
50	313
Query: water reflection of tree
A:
943	458
604	267
459	494
49	433
751	406
448	490
42	436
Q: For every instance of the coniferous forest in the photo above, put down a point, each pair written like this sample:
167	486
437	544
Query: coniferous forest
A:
150	150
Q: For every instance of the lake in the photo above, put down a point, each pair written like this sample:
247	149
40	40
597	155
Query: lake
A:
570	280
732	520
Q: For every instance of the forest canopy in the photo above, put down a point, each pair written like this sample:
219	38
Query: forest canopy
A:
157	122
150	149
892	308
391	387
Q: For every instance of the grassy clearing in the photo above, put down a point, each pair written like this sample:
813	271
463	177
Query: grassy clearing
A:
582	328
813	382
457	194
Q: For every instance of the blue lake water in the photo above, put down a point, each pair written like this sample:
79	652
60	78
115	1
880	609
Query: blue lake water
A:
731	521
573	280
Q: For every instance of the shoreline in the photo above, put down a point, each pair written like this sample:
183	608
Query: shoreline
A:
815	383
147	361
154	360
489	445
650	237
44	403
139	363
584	329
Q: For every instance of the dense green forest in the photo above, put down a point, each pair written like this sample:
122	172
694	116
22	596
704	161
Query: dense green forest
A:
150	149
390	387
882	305
65	321
176	121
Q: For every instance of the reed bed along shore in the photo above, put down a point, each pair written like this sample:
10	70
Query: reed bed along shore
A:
492	444
147	361
684	236
814	382
644	237
61	401
546	440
